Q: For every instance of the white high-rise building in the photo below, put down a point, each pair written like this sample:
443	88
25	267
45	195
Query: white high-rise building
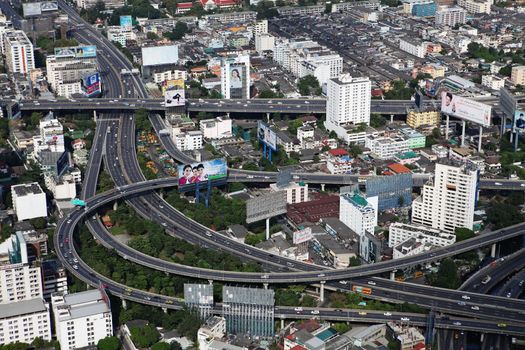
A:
450	16
264	42
23	321
295	192
29	201
81	319
189	140
235	77
65	72
358	213
449	200
348	103
18	51
399	232
218	128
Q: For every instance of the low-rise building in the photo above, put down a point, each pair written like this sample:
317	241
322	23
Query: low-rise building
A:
339	161
517	76
417	118
295	192
358	212
81	319
189	140
411	246
386	147
213	328
29	201
399	232
218	128
414	47
23	321
492	82
476	6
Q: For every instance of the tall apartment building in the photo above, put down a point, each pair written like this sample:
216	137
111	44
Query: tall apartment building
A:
450	16
199	297
19	281
23	321
64	73
348	103
414	46
358	212
29	201
81	319
188	140
18	52
260	27
295	192
248	311
476	6
235	77
517	76
50	138
449	200
264	42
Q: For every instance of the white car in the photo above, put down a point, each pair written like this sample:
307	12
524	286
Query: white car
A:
298	309
208	233
343	282
497	183
372	283
387	314
457	323
405	319
466	297
475	308
315	312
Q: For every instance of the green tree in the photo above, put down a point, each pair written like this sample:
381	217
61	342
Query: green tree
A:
267	94
108	343
463	233
161	346
377	120
447	275
190	325
341	327
506	71
309	85
146	336
175	345
355	261
266	10
142	122
152	36
178	32
502	215
39	223
250	166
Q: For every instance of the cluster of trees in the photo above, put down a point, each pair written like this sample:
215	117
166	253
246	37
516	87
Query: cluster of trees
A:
144	337
488	54
221	213
377	120
108	343
447	275
266	10
270	94
351	301
463	233
135	8
48	44
309	85
177	32
294	296
399	91
37	343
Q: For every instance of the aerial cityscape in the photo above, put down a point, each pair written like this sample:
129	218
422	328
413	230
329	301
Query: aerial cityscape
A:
262	174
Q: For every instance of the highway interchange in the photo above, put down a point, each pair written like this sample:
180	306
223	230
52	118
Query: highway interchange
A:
114	143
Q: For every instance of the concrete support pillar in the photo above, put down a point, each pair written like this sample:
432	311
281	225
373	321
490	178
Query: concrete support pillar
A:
282	323
161	194
446	126
265	285
124	304
268	116
115	206
95	116
165	309
479	141
210	282
393	275
322	187
391	118
463	133
321	291
493	251
268	229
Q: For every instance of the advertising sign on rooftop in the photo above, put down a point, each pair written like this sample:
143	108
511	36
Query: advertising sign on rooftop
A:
76	51
465	108
174	98
302	236
126	22
265	206
266	135
91	84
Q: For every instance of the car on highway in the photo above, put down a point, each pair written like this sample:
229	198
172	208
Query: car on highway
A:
75	267
486	279
466	297
387	314
461	303
406	319
509	294
321	275
169	301
521	283
502	325
498	183
475	308
372	283
298	309
147	298
265	276
362	313
457	323
208	233
129	291
315	312
343	282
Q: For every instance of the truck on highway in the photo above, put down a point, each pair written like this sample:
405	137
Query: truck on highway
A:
362	290
78	202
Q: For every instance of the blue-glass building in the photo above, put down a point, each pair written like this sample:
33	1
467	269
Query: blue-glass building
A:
424	10
390	190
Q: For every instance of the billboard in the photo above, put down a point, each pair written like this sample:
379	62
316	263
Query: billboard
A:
465	108
172	84
91	84
237	76
201	172
519	120
266	135
174	98
76	51
265	206
49	6
32	9
126	22
302	236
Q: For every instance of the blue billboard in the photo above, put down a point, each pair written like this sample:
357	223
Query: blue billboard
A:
126	22
91	84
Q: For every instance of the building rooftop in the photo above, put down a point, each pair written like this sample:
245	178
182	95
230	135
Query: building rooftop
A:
90	302
22	308
26	189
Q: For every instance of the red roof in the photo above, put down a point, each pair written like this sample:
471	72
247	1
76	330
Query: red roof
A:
419	346
399	168
298	347
338	152
185	5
